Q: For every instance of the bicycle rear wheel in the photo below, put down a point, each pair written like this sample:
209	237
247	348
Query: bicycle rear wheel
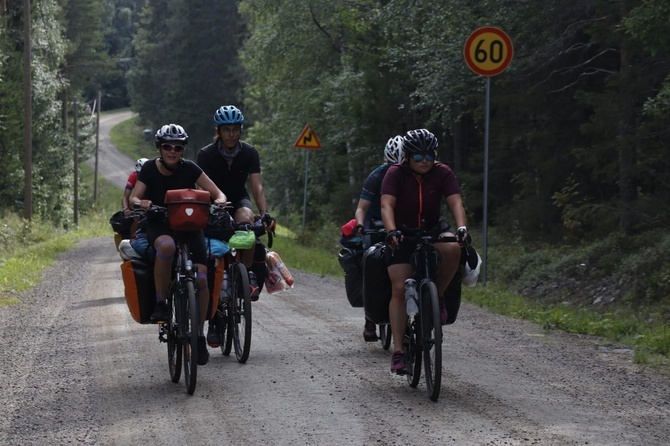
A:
385	335
190	322
431	339
412	354
173	343
241	312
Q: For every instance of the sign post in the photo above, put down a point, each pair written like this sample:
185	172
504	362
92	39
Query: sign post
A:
306	140
488	52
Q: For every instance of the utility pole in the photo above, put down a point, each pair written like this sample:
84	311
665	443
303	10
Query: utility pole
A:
97	146
76	162
27	113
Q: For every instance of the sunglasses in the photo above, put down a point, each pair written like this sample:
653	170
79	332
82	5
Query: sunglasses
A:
419	157
172	148
231	131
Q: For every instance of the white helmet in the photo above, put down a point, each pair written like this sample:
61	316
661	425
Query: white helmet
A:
473	264
139	163
393	150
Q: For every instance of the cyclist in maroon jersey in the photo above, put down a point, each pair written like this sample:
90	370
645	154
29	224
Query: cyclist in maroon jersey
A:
411	194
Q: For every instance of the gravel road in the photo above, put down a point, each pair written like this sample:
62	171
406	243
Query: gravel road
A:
78	370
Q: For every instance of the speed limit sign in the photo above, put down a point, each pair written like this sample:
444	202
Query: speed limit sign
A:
488	51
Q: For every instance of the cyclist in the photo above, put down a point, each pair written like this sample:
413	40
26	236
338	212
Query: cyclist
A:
229	162
167	172
130	184
412	192
369	209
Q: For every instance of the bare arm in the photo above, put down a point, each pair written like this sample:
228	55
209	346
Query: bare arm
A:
138	192
125	201
206	183
256	181
388	212
361	210
455	203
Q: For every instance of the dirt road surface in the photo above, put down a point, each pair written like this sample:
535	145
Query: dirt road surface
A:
77	370
112	164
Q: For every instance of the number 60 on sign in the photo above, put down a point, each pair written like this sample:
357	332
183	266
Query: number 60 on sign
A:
488	51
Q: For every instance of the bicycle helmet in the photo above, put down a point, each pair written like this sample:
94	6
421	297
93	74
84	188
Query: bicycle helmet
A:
418	141
171	133
140	162
228	114
393	150
473	264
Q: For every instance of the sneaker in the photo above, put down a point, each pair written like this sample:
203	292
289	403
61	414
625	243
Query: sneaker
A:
370	332
398	362
161	312
214	333
253	284
203	353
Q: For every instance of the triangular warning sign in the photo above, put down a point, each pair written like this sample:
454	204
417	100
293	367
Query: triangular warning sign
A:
308	139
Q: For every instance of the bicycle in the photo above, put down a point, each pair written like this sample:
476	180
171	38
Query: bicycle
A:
180	331
423	335
235	310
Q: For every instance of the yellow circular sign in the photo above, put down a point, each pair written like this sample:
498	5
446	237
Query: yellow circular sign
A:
488	51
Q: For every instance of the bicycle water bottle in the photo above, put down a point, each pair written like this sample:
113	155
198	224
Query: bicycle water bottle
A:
411	298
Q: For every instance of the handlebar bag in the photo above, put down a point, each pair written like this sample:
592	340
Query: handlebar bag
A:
188	209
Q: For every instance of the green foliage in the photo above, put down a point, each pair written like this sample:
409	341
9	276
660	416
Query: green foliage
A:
181	75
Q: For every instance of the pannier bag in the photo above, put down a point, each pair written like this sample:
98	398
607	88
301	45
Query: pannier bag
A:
215	269
121	224
258	266
452	297
351	261
188	209
376	285
138	280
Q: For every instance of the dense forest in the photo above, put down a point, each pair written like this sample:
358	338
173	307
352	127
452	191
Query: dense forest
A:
579	122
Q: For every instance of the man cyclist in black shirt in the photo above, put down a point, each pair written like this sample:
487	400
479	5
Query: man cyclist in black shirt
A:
229	162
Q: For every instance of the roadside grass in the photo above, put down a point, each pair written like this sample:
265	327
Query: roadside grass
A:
128	138
30	247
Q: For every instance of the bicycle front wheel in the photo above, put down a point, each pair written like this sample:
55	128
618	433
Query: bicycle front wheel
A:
191	319
431	339
412	354
173	344
241	312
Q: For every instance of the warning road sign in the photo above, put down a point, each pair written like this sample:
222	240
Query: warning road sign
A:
308	139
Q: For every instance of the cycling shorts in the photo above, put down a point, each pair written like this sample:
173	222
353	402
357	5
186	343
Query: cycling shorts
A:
195	241
401	253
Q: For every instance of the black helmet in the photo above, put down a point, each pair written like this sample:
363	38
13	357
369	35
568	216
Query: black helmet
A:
418	141
171	133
